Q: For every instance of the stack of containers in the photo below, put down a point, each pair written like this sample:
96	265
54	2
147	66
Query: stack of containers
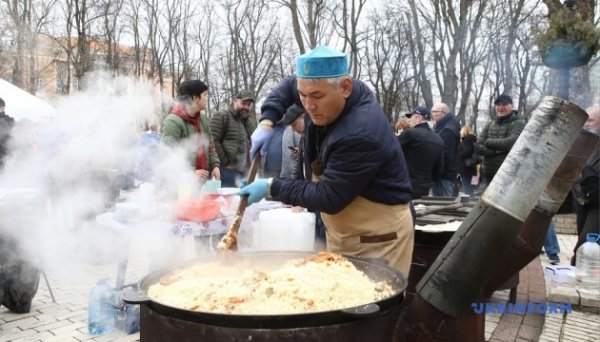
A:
283	229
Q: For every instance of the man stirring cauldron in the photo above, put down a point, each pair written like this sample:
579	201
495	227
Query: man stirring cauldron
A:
360	182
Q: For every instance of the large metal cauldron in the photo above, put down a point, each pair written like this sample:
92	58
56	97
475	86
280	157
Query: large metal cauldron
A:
371	322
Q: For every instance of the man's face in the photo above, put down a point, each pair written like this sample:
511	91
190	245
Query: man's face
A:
322	99
298	125
437	112
414	119
242	106
503	109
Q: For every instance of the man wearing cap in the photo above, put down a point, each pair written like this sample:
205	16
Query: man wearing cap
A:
498	136
231	129
423	150
292	141
360	182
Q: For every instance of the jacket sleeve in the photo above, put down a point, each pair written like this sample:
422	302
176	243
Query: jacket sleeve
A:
280	99
505	144
480	146
467	149
404	139
170	132
351	165
438	168
217	132
213	157
450	142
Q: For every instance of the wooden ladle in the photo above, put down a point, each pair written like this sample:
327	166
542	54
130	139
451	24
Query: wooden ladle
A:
229	241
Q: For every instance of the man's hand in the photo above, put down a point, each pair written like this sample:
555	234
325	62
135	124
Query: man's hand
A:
261	137
256	191
216	173
202	174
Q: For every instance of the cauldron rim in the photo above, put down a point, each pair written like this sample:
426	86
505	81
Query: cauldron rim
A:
375	271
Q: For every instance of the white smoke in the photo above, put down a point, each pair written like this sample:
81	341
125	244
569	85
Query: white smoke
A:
62	173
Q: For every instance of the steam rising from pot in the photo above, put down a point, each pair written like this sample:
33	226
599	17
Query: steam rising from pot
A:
63	172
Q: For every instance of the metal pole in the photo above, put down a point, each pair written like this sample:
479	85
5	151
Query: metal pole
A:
563	91
565	73
49	288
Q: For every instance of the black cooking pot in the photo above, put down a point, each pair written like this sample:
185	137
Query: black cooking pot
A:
373	320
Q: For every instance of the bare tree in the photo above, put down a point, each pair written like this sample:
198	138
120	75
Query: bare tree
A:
134	17
157	45
310	22
387	61
454	26
514	18
348	29
82	57
111	29
205	37
178	37
27	19
255	45
579	78
417	39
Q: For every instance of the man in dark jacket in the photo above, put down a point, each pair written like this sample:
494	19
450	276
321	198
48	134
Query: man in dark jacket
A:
586	191
423	151
231	129
498	136
6	125
448	128
360	181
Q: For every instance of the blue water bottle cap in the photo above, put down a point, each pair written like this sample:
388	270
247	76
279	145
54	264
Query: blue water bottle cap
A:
102	281
593	237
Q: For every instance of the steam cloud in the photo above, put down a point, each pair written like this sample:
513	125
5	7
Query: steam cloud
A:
62	172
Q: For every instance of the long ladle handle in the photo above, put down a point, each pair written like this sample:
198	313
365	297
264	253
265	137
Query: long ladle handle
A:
251	176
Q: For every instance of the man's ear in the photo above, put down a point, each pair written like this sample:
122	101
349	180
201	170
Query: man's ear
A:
346	84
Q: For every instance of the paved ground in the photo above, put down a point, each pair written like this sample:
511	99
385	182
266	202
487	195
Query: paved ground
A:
66	319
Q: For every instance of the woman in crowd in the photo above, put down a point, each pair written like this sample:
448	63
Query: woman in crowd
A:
185	122
467	167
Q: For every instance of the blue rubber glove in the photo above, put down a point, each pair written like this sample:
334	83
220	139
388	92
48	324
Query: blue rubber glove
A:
256	191
260	140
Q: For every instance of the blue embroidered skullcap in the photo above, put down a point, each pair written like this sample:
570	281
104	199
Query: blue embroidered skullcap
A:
322	62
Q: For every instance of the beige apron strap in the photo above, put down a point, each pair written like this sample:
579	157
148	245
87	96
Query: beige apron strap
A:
374	230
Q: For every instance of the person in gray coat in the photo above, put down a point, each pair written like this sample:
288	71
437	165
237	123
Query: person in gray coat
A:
448	128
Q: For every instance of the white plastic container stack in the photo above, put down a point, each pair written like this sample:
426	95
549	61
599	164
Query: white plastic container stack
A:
588	266
283	230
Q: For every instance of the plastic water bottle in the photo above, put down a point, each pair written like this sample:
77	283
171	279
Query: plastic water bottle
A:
101	308
588	265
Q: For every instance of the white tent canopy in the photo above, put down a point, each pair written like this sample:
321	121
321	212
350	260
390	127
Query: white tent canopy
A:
22	105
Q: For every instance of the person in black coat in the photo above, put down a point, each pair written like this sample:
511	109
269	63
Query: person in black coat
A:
468	161
6	125
448	128
423	151
586	192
